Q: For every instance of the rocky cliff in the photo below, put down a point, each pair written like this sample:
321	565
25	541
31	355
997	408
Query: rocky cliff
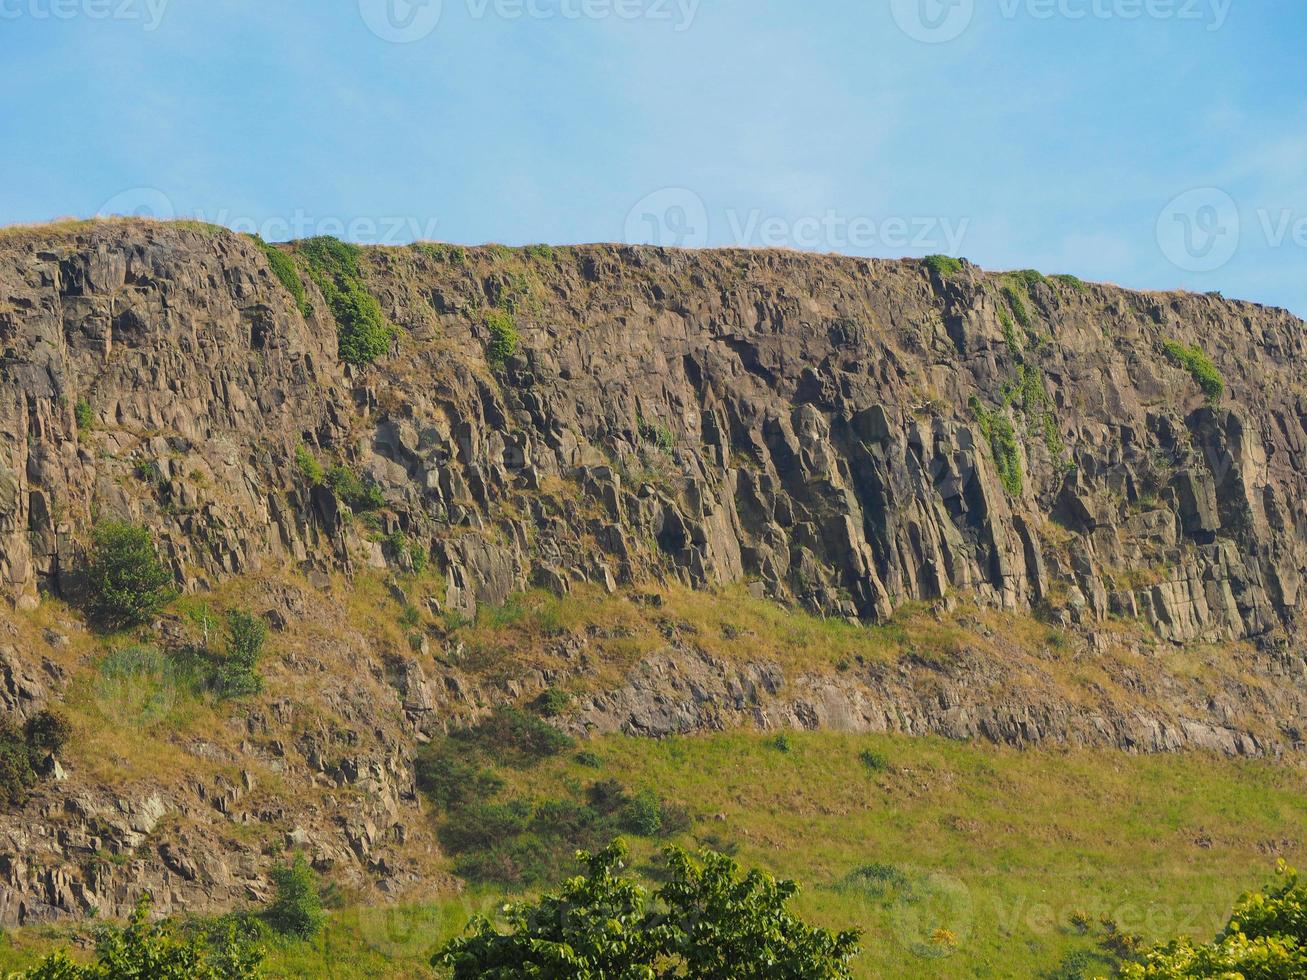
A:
861	439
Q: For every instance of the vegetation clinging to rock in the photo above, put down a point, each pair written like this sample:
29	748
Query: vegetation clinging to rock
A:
363	332
126	580
283	267
1200	367
944	266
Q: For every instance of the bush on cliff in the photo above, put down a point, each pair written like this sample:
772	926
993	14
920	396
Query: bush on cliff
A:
1200	367
361	327
296	909
22	751
127	583
239	676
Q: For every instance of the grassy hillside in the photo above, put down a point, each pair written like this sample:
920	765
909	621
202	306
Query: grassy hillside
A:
955	860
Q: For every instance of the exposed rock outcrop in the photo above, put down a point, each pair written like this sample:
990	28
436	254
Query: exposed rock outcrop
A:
850	436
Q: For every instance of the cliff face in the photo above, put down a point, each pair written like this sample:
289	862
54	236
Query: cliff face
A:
1005	455
829	428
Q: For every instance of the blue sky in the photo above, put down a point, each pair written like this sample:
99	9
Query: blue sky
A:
1154	143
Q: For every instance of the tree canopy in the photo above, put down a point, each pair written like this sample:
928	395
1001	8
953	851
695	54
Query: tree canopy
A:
709	921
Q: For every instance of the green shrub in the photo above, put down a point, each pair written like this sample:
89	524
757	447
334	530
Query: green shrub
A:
239	675
451	780
1075	282
607	796
543	252
83	414
361	326
452	254
360	494
589	759
1010	338
1006	448
877	881
402	546
22	751
155	951
873	760
503	337
296	909
781	743
283	267
308	465
657	433
643	815
1200	367
553	702
1016	301
512	737
944	266
483	825
127	584
1027	277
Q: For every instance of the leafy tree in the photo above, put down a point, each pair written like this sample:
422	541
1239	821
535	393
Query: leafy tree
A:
296	908
239	674
128	584
145	951
708	922
1266	939
595	928
732	927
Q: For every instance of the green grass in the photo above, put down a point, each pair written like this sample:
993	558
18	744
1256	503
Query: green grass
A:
283	267
997	846
1016	301
1200	367
1074	282
503	337
997	427
362	330
1023	836
944	266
